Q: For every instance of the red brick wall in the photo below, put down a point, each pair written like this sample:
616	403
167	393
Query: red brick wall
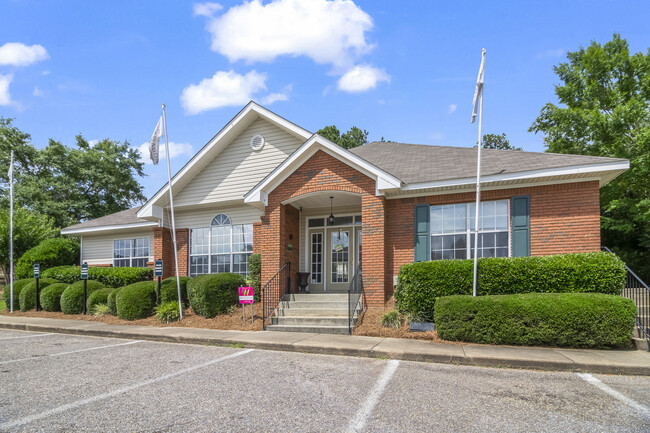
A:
563	218
164	249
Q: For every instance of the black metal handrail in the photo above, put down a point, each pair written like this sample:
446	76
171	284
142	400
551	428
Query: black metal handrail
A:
637	290
273	292
356	303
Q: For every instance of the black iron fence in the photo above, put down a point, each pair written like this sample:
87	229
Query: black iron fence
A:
273	291
356	303
637	290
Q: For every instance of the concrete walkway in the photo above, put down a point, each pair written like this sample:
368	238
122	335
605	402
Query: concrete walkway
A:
632	362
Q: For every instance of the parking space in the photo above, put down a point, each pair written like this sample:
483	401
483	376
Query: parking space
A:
74	383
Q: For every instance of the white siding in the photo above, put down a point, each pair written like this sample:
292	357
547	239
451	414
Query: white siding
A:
98	249
238	168
202	217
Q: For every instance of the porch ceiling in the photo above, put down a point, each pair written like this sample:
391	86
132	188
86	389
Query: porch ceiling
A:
322	200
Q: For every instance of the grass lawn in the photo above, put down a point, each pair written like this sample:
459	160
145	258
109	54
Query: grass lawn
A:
2	305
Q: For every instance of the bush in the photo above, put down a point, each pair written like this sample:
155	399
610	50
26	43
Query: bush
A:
109	277
51	296
111	302
214	293
72	299
392	319
255	275
169	290
97	297
584	320
18	287
136	301
100	310
27	297
168	312
50	252
419	284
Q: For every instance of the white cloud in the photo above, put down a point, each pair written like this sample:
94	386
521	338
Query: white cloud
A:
328	32
19	54
552	53
45	72
452	108
175	149
37	92
437	135
362	78
222	90
206	9
5	97
274	97
93	142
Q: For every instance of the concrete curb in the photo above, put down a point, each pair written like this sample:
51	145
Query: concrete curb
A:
550	359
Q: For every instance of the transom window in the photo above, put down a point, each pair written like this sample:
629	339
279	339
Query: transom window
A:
131	252
452	230
223	247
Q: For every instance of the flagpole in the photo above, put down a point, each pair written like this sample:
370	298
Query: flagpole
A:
478	181
171	203
11	233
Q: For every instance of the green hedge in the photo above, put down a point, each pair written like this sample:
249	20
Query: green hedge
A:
215	293
18	287
111	301
27	297
419	284
583	320
51	296
97	297
49	253
72	299
255	275
169	290
136	301
109	277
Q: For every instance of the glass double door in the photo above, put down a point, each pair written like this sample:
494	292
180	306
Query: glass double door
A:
333	254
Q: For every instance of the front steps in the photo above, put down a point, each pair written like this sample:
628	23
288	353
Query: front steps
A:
325	313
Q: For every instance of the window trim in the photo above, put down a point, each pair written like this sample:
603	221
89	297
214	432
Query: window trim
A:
132	247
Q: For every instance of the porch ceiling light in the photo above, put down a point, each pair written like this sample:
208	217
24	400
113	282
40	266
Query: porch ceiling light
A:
330	219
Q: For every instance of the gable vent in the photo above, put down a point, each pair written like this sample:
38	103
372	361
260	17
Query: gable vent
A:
257	142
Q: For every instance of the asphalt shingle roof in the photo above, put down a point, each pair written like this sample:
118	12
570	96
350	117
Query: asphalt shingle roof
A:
123	217
416	163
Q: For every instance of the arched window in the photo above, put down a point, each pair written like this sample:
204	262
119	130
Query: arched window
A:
221	220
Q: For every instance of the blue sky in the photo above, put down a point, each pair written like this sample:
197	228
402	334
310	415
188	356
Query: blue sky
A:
404	70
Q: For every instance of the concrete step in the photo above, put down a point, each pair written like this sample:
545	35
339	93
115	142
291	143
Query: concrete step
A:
320	297
318	305
312	329
291	311
313	320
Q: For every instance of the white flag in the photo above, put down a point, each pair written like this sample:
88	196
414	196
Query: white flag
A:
10	173
154	143
479	86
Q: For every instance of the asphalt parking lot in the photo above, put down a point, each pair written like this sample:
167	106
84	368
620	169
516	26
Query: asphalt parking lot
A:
57	383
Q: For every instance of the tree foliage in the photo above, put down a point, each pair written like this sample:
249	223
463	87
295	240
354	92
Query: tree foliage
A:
353	138
499	142
605	111
70	184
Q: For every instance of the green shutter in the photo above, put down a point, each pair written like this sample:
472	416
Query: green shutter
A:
422	235
521	226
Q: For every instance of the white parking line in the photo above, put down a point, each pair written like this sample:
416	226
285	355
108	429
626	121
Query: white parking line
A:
68	353
79	403
359	421
628	401
28	336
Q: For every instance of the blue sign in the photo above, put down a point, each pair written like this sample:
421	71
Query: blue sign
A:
37	270
158	268
84	271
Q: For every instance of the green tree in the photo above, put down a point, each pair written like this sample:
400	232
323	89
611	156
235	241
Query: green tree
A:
30	228
605	111
496	141
70	184
353	138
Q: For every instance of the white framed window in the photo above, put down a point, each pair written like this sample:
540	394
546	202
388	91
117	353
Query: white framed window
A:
452	230
222	247
131	252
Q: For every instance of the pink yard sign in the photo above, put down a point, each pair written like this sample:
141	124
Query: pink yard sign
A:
246	295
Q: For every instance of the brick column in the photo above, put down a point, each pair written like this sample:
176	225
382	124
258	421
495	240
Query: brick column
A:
164	249
375	272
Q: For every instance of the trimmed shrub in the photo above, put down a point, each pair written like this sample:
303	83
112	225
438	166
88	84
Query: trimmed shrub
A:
99	296
111	302
169	290
419	284
109	277
136	301
392	319
584	320
214	293
72	299
18	287
51	296
255	275
100	310
49	253
27	297
168	312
